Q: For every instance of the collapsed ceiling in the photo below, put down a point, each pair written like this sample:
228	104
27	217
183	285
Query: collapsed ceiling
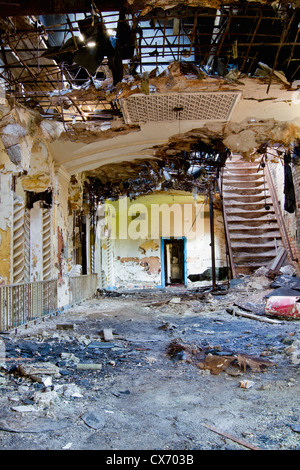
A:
190	166
67	65
102	68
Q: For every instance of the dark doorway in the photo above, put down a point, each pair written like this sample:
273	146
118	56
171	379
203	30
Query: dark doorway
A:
174	262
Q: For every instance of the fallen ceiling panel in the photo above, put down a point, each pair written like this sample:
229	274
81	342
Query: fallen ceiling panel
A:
45	54
178	106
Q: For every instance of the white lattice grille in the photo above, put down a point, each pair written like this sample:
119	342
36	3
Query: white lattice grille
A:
164	107
18	240
46	244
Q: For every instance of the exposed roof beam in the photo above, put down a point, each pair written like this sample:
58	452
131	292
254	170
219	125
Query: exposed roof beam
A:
52	7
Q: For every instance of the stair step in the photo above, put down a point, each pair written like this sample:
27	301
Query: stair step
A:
234	169
253	228
254	254
257	231
247	206
241	164
241	199
251	221
248	269
239	159
244	185
233	192
231	176
251	214
251	239
261	258
264	245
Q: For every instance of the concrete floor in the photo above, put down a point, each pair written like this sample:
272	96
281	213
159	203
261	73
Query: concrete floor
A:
143	398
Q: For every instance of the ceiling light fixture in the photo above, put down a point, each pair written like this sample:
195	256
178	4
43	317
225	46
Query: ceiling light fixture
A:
178	110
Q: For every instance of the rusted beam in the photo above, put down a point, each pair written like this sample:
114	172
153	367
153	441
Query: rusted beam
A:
283	36
252	40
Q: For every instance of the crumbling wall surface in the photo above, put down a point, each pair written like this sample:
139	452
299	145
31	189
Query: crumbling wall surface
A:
6	204
27	172
137	263
5	252
247	136
25	138
167	4
18	128
136	258
61	235
39	174
36	243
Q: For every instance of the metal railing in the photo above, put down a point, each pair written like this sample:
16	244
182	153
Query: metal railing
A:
82	287
26	302
22	303
226	228
278	212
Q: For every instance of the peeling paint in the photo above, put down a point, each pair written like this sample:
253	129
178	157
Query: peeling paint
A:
60	250
148	245
151	263
37	183
5	240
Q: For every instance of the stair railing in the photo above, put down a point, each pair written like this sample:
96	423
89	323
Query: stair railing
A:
227	235
277	209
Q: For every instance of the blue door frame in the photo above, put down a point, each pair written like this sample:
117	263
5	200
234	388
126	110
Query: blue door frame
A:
162	259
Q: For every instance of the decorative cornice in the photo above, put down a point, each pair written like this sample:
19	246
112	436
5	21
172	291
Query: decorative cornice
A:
61	171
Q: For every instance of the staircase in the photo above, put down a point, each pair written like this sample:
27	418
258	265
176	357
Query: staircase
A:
251	224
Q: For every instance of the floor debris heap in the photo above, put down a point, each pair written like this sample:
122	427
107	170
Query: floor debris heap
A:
194	375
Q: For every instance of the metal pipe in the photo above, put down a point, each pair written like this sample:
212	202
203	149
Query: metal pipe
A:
212	238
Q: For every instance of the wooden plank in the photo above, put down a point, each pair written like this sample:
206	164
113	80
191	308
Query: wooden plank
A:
279	259
232	438
252	316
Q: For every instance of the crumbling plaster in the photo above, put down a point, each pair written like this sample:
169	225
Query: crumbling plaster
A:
6	204
61	235
5	251
35	173
167	4
260	116
137	261
36	243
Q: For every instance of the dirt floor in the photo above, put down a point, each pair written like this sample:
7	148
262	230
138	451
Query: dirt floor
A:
183	371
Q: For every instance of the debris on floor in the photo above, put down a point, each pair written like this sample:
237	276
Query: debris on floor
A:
283	307
214	360
38	371
128	360
236	311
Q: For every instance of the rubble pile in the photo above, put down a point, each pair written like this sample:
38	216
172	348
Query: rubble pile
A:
75	371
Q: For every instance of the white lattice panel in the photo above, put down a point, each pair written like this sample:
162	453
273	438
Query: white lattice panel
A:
164	107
